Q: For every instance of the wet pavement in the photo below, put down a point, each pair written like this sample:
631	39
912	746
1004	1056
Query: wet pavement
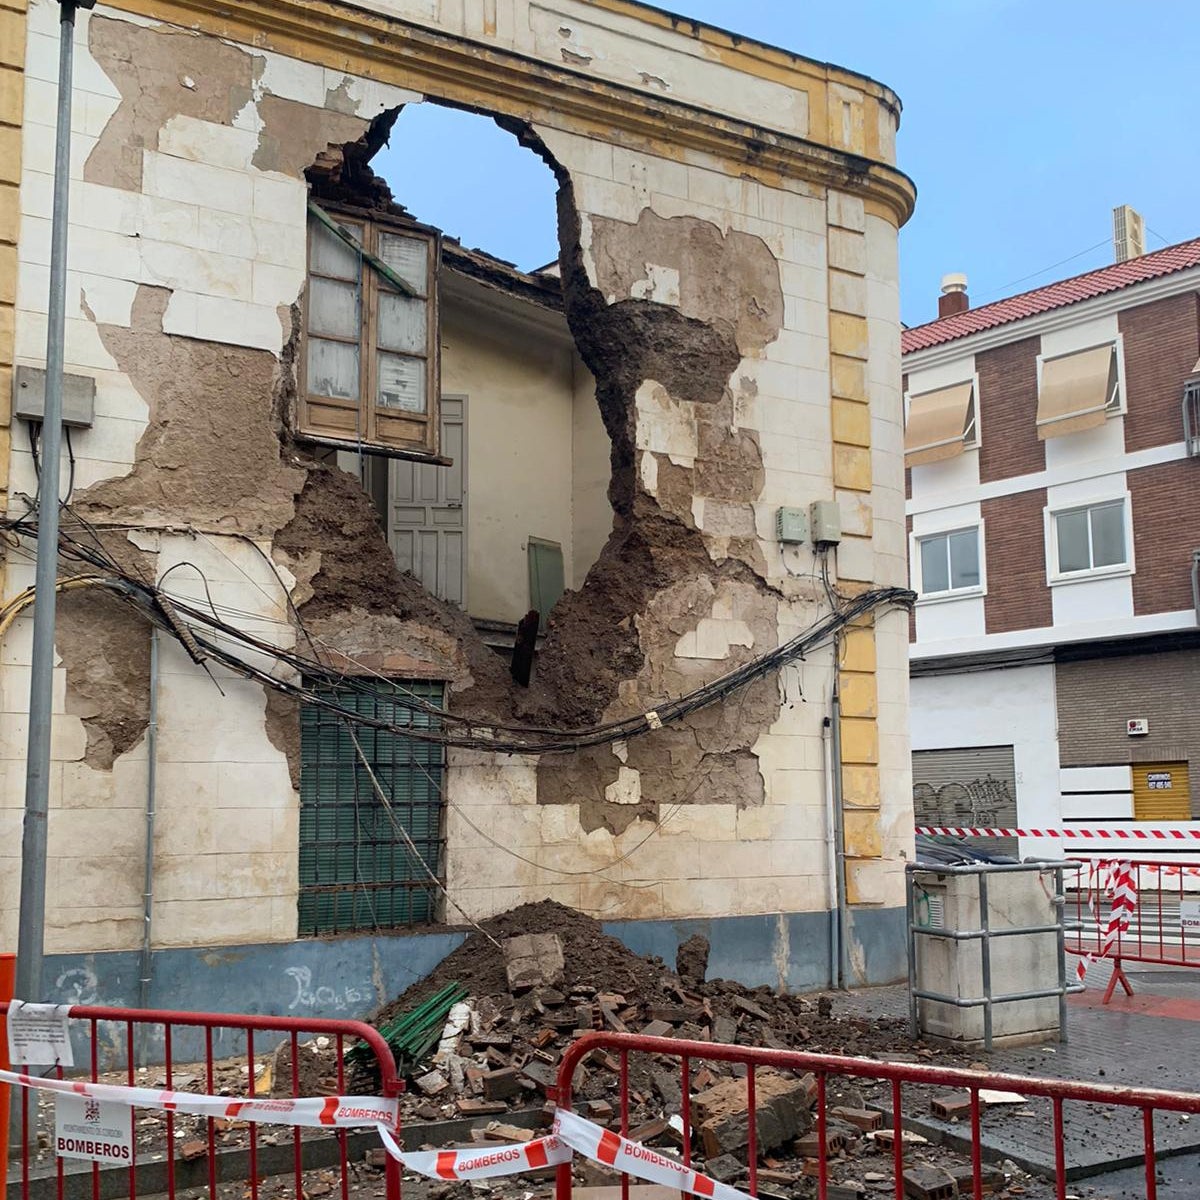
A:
1150	1039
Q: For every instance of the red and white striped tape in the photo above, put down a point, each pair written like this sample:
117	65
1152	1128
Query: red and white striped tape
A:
1137	835
571	1134
1117	880
318	1112
481	1163
632	1158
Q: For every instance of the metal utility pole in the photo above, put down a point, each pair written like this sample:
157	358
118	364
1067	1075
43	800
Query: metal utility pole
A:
30	934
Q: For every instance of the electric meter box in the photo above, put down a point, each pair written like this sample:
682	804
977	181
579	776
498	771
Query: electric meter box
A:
826	523
791	526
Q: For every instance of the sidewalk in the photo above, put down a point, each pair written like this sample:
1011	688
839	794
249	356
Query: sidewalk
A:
1151	1039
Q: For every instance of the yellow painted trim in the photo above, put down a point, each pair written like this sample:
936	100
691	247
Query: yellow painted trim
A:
753	57
374	46
12	96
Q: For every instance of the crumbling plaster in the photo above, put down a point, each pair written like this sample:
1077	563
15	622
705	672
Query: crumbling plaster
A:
691	296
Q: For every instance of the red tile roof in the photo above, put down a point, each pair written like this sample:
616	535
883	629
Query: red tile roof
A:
1054	295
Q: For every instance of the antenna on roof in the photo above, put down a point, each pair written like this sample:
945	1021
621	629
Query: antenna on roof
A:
1129	233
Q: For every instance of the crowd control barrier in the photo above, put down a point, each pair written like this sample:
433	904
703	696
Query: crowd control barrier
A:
1144	911
109	1044
823	1068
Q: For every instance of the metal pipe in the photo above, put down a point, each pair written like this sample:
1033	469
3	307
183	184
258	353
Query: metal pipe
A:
839	823
1060	943
910	913
835	940
985	961
31	931
151	810
1004	998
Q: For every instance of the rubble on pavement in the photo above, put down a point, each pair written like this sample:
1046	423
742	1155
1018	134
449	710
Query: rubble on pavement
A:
552	974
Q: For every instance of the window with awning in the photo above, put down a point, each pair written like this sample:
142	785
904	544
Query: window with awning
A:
941	424
1078	391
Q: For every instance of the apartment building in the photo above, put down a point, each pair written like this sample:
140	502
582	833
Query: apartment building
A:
1053	481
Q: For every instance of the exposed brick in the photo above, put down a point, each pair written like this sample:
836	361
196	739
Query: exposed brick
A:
1161	497
1007	402
1161	345
1097	696
1017	595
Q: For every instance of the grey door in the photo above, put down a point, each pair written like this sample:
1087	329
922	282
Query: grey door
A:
972	786
428	529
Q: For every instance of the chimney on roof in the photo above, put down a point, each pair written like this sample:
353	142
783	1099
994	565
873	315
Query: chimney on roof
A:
954	298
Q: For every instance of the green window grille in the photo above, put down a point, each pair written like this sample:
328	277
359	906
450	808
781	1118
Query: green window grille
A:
357	872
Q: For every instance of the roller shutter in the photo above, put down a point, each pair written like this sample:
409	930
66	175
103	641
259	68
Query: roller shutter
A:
973	785
1161	792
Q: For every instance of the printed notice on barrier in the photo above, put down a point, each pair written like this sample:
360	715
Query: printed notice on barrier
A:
97	1130
1189	916
39	1035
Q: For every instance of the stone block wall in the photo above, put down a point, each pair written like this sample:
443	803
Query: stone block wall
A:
733	289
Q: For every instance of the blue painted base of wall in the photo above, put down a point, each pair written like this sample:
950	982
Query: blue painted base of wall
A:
351	977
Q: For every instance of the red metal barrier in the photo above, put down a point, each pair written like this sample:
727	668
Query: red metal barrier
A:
1155	933
824	1067
8	973
205	1039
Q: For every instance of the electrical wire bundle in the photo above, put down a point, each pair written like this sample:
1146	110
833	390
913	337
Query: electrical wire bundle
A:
206	636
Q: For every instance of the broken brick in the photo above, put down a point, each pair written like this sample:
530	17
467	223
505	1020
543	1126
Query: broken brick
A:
929	1183
781	1113
599	1110
190	1151
861	1118
542	1075
658	1029
673	1014
480	1108
849	1190
725	1030
951	1107
809	1146
496	1131
499	1085
533	960
544	1037
649	1131
432	1084
750	1008
724	1168
992	1180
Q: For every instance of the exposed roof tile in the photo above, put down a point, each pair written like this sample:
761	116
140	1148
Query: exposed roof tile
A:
1054	295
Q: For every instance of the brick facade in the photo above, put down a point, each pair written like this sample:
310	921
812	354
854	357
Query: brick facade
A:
1009	443
1097	696
1017	596
1163	538
1162	344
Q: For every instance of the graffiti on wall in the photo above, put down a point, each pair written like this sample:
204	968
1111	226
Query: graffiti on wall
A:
981	802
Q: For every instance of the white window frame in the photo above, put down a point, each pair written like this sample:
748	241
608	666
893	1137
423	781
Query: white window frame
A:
973	442
1120	409
914	557
1055	577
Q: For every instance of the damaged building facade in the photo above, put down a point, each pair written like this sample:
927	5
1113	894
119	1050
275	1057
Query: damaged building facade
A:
332	459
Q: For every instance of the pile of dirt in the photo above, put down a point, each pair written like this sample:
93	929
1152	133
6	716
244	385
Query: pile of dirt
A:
540	976
596	964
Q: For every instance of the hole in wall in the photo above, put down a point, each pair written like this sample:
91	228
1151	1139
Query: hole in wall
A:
522	512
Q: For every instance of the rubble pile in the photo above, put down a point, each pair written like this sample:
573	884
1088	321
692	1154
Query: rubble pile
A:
552	974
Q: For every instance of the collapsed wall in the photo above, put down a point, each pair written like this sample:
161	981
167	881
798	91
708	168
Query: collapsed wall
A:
734	301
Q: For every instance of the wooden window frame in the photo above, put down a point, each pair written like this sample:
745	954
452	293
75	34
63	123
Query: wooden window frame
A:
411	435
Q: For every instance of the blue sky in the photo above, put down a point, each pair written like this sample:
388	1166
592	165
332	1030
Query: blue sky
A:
1025	122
